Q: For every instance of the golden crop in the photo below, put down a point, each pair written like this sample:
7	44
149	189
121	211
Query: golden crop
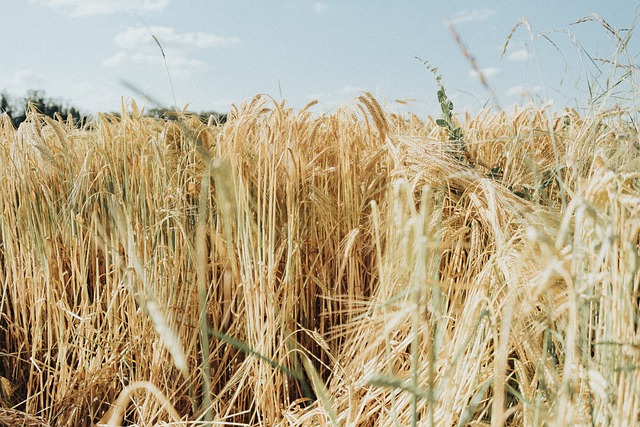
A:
287	268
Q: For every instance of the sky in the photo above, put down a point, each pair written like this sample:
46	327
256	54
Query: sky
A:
93	53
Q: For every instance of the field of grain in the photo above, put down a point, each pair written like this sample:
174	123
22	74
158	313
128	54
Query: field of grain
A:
295	269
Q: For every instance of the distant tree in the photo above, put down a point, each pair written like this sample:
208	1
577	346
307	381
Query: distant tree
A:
219	118
6	104
170	114
17	110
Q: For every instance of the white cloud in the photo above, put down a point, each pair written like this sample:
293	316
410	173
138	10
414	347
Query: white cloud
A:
139	58
320	7
317	96
138	48
135	37
352	89
519	55
180	65
94	97
524	91
22	81
473	15
486	72
106	7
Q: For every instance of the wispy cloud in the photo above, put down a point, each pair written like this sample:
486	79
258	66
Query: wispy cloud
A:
520	55
95	96
486	72
352	89
181	65
105	7
138	48
318	96
523	91
320	7
135	37
22	80
473	15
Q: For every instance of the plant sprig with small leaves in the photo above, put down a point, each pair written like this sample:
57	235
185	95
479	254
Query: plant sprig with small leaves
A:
454	132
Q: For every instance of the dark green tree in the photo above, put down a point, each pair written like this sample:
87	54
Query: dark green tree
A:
17	110
171	114
6	104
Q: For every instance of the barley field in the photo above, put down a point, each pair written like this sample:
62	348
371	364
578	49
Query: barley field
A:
287	268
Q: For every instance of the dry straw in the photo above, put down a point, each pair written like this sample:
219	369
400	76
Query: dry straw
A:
343	269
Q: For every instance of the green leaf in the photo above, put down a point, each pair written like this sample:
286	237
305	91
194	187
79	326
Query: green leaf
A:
321	391
442	123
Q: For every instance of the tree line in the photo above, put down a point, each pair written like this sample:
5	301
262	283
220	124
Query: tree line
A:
17	108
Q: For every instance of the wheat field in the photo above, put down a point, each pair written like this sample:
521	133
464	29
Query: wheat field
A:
287	268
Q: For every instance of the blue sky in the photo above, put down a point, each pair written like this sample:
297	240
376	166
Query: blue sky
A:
224	52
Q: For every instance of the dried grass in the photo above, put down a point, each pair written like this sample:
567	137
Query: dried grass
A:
289	269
